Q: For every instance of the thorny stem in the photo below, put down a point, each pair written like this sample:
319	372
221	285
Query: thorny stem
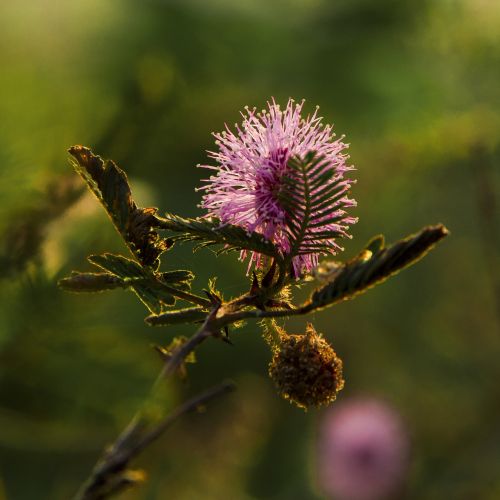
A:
134	439
109	475
180	354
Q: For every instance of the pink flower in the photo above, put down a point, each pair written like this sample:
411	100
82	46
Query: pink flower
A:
363	451
251	181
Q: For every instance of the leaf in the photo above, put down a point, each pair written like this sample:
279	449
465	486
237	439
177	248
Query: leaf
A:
314	198
90	282
372	266
149	286
188	315
177	276
110	185
119	266
376	243
211	231
181	278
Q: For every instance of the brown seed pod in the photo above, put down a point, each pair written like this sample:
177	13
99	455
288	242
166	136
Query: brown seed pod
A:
306	369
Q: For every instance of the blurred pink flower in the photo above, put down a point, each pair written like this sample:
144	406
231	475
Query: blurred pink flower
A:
252	165
363	451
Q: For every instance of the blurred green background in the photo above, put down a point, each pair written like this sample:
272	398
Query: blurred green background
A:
414	85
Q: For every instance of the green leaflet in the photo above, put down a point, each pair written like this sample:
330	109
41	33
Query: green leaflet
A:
150	287
210	231
110	185
372	266
188	315
91	282
178	276
119	266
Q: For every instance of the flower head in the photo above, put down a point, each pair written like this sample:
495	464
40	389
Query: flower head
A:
306	369
363	451
254	182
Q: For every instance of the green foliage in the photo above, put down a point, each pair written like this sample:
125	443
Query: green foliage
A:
188	315
91	282
311	199
179	277
110	185
154	289
151	287
137	226
372	266
211	231
119	266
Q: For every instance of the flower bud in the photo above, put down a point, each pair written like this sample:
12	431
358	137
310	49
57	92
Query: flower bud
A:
306	369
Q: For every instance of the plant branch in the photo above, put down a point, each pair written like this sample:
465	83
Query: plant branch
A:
345	281
107	477
113	465
179	355
189	406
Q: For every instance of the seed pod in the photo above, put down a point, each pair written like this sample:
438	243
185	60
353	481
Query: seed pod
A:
306	369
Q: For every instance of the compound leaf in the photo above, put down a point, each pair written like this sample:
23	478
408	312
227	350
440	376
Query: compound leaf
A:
372	266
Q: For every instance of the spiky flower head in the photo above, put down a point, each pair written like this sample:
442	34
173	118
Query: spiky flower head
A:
306	369
282	175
